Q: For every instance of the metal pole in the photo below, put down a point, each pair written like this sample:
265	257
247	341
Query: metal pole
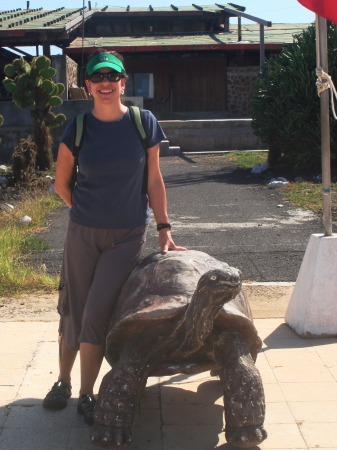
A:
82	58
239	29
261	45
322	50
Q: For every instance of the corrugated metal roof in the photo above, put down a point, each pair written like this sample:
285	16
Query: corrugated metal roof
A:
37	19
59	18
278	34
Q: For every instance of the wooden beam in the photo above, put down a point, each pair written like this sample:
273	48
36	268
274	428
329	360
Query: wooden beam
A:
246	16
262	56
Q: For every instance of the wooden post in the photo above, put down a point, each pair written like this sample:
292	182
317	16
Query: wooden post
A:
322	61
46	47
261	45
239	29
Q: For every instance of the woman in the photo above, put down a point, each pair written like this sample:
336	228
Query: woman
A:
109	216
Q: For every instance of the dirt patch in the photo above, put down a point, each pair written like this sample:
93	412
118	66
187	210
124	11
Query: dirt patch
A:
266	302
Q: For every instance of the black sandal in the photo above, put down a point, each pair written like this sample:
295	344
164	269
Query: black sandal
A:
85	406
57	397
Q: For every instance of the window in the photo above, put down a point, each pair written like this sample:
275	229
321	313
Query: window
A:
140	85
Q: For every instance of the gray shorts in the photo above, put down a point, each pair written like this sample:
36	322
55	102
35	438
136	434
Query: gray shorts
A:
96	263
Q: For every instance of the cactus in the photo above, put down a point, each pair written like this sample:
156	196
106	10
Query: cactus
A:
31	85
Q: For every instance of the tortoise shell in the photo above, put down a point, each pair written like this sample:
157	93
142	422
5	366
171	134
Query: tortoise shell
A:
157	293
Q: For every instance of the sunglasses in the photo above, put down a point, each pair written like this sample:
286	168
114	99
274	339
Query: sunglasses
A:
98	77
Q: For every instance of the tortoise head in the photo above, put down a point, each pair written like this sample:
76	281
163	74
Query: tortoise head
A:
220	286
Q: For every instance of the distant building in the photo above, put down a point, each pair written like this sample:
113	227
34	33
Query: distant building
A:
183	62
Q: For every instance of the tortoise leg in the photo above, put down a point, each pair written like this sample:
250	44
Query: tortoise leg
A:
120	393
243	391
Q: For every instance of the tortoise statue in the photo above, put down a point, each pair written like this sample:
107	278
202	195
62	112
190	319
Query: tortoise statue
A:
182	312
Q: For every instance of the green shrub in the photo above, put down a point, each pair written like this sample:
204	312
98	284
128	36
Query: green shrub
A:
286	107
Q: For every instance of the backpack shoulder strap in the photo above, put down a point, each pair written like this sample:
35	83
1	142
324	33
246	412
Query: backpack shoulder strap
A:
79	133
136	115
137	120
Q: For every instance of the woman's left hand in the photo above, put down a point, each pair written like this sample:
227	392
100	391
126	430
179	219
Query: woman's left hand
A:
166	242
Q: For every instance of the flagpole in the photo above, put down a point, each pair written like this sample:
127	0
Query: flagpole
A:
322	61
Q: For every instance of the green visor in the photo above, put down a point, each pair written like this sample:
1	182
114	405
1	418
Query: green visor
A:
104	60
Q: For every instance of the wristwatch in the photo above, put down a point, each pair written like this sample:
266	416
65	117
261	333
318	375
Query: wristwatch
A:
160	226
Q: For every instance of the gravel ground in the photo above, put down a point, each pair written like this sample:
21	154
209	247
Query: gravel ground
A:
266	301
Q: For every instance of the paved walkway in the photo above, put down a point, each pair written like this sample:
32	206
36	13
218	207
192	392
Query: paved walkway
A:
178	412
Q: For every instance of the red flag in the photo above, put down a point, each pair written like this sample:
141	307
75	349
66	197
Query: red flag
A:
324	8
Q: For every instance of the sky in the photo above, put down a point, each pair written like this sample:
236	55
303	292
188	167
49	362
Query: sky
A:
287	11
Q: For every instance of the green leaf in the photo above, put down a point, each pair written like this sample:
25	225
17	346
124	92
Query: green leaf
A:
60	88
9	70
48	86
41	63
48	73
11	87
55	101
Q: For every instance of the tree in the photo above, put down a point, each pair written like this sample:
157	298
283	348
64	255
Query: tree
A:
286	107
31	85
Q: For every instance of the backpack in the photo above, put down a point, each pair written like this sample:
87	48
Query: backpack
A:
137	120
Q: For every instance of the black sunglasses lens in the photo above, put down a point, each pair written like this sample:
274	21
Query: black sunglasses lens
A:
96	77
99	77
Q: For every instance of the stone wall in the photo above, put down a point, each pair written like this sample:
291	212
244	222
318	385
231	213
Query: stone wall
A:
190	135
66	73
211	135
239	89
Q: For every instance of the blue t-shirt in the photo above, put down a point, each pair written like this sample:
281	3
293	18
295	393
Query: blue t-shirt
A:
111	167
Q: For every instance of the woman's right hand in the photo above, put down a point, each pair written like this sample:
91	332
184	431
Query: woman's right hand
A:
64	174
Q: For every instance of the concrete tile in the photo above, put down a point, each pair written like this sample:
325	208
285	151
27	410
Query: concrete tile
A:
191	414
24	327
281	332
15	360
332	342
47	347
290	343
35	416
12	376
189	437
319	434
283	436
14	347
261	360
314	412
151	381
306	392
278	413
150	437
51	438
205	393
8	393
305	357
21	336
268	323
34	394
333	371
303	374
267	374
4	411
273	393
329	357
80	439
41	376
182	378
151	397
